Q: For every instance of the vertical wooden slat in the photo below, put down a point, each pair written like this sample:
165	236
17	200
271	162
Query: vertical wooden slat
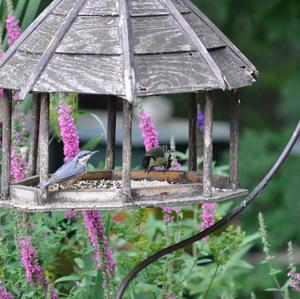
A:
126	151
6	142
44	137
208	144
234	137
111	133
193	132
34	134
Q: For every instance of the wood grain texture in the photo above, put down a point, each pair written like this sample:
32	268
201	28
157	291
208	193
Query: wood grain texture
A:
172	73
34	134
66	73
208	144
192	143
127	150
6	142
92	35
111	133
51	48
234	137
44	137
190	33
92	8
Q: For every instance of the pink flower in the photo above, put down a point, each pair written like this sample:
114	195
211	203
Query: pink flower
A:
171	297
208	216
103	254
295	281
70	214
18	166
169	214
68	132
4	294
34	272
149	131
13	29
54	294
1	89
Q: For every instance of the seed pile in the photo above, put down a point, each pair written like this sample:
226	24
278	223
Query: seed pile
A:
104	184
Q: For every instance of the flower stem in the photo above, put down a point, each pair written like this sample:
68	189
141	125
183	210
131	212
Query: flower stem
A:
211	282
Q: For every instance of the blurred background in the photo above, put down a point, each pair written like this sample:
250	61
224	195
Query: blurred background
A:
268	33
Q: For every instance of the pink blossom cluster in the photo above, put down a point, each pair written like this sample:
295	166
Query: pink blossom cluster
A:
70	214
295	281
34	272
68	132
1	89
96	232
169	214
18	165
149	131
13	29
4	294
208	216
171	297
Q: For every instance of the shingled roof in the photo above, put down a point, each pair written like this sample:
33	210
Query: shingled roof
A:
126	48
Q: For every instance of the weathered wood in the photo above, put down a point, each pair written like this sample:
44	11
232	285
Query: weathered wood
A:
6	142
92	8
208	145
127	52
127	150
49	52
82	38
34	135
234	137
39	20
192	143
89	74
189	32
44	137
111	133
215	29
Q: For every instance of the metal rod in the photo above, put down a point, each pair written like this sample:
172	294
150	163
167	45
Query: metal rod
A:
218	225
193	132
111	133
208	144
6	142
34	134
234	137
44	137
127	150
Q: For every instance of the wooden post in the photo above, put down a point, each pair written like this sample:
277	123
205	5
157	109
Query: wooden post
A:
208	145
234	137
6	142
127	150
34	134
111	133
193	132
44	137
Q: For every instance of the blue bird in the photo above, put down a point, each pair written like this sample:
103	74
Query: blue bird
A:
71	169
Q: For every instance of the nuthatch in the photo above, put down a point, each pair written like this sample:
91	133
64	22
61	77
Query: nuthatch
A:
71	169
157	157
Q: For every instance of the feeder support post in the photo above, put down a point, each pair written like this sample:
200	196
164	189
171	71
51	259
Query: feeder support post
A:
44	137
234	137
34	134
208	144
193	132
111	133
127	149
6	142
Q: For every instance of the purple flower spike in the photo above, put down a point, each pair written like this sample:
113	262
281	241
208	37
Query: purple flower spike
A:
4	294
68	132
208	216
295	281
13	29
149	131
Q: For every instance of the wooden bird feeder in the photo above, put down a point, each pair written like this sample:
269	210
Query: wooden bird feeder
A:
125	49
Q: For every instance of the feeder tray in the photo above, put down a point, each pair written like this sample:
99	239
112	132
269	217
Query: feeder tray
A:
125	49
166	188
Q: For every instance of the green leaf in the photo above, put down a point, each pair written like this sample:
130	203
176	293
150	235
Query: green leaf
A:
272	290
98	289
79	263
92	143
73	277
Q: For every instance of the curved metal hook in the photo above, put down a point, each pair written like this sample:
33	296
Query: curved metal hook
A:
221	223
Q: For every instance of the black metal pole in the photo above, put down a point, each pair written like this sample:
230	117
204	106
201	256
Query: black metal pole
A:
221	223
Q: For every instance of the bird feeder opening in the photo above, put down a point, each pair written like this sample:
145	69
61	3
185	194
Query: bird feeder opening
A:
125	49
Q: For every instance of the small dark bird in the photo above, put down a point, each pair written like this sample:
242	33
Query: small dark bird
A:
71	169
157	157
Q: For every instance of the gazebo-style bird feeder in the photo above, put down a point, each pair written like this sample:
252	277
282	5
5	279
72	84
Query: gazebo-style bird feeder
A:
126	49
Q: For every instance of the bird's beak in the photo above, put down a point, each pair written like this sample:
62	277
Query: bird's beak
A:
94	152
